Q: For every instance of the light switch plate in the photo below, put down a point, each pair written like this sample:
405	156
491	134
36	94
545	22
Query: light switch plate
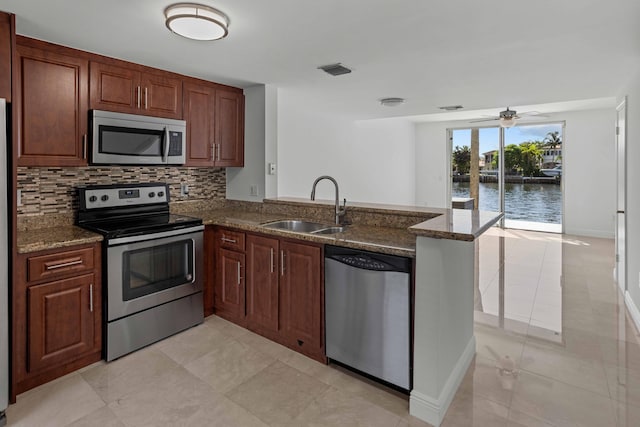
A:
272	168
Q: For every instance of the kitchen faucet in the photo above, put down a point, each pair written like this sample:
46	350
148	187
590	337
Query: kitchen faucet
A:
339	212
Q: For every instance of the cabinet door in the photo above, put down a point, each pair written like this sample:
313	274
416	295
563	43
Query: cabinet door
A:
115	88
6	36
301	296
262	283
199	107
63	320
161	96
230	289
229	128
52	112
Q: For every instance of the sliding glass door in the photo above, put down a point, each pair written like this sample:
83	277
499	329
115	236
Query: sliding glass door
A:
518	171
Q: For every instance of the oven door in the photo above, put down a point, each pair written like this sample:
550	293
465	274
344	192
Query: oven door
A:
153	269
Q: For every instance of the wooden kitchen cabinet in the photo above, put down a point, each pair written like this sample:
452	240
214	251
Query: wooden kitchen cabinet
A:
280	294
229	128
262	293
215	125
7	32
301	303
135	91
51	108
61	323
228	273
199	113
56	313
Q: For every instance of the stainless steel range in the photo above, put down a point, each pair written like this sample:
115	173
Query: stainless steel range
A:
152	264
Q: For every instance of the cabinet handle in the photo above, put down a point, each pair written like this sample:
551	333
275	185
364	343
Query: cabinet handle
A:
146	91
91	297
239	277
224	239
62	265
138	90
213	151
271	260
84	146
217	151
282	262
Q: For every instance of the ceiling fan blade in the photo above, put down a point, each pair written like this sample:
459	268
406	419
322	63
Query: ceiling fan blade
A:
484	120
533	114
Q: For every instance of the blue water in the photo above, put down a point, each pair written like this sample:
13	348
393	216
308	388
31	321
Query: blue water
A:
524	202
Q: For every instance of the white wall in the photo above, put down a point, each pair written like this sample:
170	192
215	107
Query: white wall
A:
371	160
260	146
633	196
588	169
240	180
432	164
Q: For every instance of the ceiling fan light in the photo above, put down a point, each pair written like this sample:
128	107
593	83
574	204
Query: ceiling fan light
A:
507	122
196	21
391	102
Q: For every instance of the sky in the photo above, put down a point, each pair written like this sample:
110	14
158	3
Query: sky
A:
489	137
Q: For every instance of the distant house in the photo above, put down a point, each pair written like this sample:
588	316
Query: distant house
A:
551	156
488	160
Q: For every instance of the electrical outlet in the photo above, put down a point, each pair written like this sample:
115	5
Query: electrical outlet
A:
184	190
254	190
19	198
272	168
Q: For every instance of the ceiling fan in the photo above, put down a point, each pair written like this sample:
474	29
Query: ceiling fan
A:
508	118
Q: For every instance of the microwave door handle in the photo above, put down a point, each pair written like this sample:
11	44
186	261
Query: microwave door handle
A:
165	145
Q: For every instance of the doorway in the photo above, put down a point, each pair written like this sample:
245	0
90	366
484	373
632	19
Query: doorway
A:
519	172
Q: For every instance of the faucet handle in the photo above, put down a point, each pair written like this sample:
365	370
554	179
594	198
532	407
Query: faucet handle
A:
344	204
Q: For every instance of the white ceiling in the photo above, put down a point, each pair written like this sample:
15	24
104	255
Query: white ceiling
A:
482	54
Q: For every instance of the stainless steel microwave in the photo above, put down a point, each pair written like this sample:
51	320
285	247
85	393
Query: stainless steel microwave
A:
130	139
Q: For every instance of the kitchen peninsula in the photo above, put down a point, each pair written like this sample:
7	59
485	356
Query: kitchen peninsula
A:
442	242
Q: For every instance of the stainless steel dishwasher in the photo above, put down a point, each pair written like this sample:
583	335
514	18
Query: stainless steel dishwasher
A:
368	313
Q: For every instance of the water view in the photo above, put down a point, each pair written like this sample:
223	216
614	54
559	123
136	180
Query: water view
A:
524	202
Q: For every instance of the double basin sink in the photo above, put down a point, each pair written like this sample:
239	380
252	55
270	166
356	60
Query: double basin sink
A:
301	226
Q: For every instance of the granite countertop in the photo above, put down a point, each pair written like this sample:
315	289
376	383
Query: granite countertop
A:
454	224
457	224
54	237
390	240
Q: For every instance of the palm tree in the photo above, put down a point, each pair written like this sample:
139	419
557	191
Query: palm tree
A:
553	138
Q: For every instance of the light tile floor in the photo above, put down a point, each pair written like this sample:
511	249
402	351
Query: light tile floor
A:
555	347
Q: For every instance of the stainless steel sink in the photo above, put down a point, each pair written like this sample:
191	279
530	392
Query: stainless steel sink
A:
302	226
330	230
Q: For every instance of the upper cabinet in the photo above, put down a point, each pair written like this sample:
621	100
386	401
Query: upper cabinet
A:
51	107
6	45
129	90
229	128
215	125
56	87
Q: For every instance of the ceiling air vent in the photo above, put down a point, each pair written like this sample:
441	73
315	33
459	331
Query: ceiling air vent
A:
335	69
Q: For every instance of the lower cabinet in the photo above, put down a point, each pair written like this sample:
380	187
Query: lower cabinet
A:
57	320
272	286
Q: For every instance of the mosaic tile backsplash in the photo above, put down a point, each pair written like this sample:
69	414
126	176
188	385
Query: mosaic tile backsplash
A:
53	190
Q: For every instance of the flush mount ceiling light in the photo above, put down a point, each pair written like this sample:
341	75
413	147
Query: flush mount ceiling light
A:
196	21
391	102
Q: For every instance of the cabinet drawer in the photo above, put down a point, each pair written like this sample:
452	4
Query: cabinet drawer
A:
59	263
230	239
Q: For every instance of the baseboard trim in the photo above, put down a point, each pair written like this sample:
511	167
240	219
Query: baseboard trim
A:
433	410
633	309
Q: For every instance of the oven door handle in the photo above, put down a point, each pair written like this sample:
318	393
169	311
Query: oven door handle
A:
144	237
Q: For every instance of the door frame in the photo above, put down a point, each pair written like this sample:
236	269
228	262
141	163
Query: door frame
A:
621	241
501	145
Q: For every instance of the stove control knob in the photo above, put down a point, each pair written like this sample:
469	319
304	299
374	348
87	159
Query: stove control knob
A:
104	198
93	198
152	194
160	193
